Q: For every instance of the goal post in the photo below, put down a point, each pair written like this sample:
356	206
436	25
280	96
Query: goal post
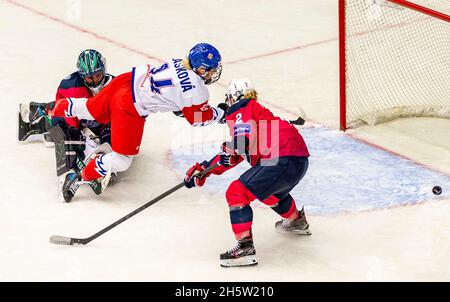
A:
394	60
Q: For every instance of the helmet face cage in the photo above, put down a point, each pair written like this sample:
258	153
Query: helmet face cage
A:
229	100
234	92
90	63
215	76
207	56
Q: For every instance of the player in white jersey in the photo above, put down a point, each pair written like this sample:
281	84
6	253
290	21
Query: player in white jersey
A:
173	87
178	85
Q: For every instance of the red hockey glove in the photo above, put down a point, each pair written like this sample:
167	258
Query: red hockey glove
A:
228	156
191	180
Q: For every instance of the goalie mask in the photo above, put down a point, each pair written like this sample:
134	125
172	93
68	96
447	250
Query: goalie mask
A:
91	67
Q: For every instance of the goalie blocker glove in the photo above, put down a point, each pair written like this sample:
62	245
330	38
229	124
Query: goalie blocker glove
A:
74	143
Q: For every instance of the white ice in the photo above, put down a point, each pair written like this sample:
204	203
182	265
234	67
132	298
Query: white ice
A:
180	238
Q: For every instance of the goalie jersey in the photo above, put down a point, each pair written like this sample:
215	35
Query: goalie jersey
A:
73	87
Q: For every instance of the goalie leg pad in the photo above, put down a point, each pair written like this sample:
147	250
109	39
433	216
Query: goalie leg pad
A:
31	112
27	128
74	145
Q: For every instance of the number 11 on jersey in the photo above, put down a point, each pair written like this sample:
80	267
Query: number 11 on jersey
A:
157	84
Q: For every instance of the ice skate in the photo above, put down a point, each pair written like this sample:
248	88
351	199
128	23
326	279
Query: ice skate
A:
299	226
68	186
243	254
113	180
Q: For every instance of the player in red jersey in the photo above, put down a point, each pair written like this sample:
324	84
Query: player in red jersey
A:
279	159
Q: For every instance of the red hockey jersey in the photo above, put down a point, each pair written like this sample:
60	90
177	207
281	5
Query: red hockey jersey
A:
261	135
73	87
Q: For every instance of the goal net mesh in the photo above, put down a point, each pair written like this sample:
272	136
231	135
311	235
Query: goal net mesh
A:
397	61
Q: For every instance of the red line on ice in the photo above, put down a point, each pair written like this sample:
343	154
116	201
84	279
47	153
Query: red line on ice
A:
84	30
276	52
151	57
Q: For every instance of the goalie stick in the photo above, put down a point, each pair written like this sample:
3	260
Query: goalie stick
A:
62	240
57	134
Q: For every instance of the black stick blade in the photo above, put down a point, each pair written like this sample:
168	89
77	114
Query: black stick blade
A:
300	121
61	240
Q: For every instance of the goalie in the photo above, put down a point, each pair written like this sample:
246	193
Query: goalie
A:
279	159
80	138
89	79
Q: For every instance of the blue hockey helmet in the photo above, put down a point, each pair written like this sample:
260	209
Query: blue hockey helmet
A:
91	67
207	56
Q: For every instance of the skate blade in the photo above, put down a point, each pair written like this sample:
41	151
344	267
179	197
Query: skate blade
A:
296	232
244	261
304	232
61	180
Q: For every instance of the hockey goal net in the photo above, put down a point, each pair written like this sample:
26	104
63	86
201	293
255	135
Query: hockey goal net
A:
394	60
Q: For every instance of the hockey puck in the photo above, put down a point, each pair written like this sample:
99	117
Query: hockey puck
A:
437	190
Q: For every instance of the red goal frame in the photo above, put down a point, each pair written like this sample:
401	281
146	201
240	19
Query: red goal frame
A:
342	54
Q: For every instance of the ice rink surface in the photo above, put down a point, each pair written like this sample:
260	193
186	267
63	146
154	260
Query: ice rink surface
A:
384	224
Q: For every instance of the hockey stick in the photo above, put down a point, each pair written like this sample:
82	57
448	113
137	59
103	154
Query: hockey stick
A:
301	117
61	166
300	121
61	240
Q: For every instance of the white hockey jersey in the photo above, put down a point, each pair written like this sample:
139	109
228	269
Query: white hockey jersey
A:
172	87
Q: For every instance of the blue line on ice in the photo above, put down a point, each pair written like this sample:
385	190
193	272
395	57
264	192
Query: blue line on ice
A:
344	175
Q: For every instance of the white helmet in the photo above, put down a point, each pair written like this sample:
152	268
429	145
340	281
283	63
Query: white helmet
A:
237	89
